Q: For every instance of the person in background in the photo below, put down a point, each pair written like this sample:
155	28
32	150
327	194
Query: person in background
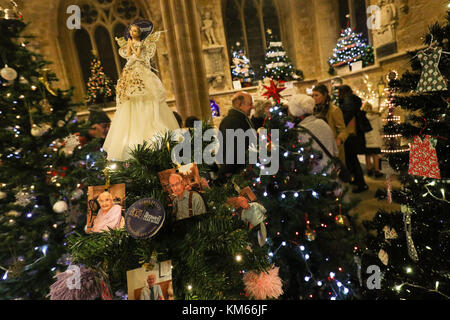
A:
327	111
237	118
262	110
302	106
189	122
99	124
373	141
355	143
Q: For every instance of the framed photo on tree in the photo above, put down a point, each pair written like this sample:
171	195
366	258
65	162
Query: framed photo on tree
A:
183	186
106	208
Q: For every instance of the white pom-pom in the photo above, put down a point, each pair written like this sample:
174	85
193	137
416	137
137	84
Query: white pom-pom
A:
60	206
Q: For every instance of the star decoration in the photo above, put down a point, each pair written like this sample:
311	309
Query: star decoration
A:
273	91
70	143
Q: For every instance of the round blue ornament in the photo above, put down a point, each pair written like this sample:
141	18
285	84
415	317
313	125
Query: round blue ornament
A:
144	218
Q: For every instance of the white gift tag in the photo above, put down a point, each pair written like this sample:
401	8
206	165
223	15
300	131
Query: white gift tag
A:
237	85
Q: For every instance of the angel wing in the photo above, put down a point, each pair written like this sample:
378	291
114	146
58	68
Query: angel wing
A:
150	42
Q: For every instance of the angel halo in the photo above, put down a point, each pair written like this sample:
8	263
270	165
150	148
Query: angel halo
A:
145	27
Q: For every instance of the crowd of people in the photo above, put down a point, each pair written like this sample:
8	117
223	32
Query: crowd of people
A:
343	131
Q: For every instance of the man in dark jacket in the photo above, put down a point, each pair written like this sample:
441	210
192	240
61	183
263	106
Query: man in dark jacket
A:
237	118
355	143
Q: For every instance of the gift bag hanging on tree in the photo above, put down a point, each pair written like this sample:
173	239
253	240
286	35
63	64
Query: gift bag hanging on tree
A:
423	159
431	78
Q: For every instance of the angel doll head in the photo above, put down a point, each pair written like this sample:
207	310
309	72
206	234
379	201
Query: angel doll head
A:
140	29
135	32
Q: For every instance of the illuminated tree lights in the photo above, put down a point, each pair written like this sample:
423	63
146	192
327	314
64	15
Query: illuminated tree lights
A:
351	47
99	87
241	69
277	64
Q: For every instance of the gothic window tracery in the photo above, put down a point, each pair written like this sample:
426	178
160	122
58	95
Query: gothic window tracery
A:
246	23
101	22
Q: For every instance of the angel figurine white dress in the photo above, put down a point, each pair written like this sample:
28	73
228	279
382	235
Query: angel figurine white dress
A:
142	113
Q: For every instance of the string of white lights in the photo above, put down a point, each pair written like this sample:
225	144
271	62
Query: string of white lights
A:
398	288
437	198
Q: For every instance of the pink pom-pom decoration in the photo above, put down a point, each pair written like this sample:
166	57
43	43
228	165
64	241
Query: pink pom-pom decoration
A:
76	283
264	285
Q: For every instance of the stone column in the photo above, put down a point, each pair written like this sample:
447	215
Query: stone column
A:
184	46
327	31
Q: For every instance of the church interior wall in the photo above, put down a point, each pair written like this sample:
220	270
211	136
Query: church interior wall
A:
309	30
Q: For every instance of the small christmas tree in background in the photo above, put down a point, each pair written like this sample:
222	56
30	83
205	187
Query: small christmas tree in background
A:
368	56
412	245
241	69
100	88
350	48
277	64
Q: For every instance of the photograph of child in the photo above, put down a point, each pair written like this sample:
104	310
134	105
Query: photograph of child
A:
105	208
184	185
155	284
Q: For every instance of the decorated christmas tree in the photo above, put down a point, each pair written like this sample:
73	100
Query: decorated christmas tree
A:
100	88
312	250
214	255
311	237
241	69
350	48
40	175
397	154
412	245
278	66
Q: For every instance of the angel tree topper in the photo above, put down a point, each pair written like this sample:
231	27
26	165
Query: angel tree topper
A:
142	112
